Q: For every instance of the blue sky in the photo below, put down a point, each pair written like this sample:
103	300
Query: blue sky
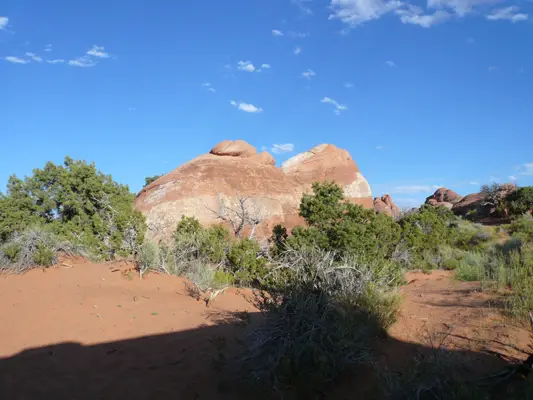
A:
421	94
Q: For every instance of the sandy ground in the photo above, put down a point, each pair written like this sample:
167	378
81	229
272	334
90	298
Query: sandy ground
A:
440	310
82	331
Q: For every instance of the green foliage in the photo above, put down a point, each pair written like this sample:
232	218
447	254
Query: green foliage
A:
522	228
278	239
470	269
78	203
188	226
342	227
245	263
494	200
427	229
519	268
450	264
149	257
319	322
210	244
150	179
468	236
449	257
324	207
35	246
11	251
520	201
206	280
44	255
307	237
216	243
382	305
223	278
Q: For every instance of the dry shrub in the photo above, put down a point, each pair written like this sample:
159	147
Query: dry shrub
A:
319	322
35	247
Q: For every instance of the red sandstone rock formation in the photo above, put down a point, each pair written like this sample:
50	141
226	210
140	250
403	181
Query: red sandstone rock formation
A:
385	205
232	169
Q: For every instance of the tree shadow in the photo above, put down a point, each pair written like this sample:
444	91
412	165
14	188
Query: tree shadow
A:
193	364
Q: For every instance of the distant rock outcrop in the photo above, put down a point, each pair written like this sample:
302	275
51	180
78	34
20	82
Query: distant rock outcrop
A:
463	206
385	205
444	197
232	169
478	201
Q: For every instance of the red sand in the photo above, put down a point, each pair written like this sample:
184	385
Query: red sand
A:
85	331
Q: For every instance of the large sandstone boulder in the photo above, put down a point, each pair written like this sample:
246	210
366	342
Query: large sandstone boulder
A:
468	203
233	169
237	148
385	205
444	197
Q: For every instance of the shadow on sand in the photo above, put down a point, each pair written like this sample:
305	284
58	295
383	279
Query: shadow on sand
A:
182	365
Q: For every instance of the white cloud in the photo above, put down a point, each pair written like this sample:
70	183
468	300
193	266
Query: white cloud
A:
84	62
98	51
282	148
308	74
380	147
298	35
3	23
526	169
508	13
276	32
512	178
414	15
248	66
208	87
245	66
338	107
246	107
494	179
493	68
48	48
356	12
348	85
58	61
297	51
473	183
410	189
34	57
459	7
131	109
301	4
16	60
391	64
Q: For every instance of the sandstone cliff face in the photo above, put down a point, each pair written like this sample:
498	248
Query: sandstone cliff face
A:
235	169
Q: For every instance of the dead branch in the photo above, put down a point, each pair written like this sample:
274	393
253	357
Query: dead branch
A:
239	215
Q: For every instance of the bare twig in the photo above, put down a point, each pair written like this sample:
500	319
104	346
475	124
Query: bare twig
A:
242	213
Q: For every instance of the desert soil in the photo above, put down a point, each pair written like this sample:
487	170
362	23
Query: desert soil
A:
85	331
